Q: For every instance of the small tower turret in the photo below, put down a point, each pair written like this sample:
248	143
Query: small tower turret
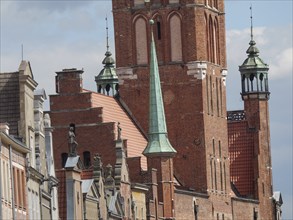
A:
254	74
107	80
255	93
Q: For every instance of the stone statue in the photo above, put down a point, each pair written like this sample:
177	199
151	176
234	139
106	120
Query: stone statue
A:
119	129
71	142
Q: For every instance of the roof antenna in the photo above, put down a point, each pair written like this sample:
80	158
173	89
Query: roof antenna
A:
107	33
251	25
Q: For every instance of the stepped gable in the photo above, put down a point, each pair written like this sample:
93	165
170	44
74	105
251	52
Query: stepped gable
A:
113	112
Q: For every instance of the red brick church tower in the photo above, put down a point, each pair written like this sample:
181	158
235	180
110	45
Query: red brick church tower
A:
190	41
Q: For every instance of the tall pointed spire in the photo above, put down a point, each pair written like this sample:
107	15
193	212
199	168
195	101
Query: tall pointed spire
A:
107	80
158	143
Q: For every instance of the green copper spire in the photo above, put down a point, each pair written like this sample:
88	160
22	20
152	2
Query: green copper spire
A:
158	144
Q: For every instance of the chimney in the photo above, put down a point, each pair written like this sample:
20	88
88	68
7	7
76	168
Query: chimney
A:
4	128
69	81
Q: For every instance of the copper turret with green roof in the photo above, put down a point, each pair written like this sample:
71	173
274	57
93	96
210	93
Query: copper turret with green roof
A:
107	80
254	74
158	143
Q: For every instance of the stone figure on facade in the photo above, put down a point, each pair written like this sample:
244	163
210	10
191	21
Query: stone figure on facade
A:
119	129
72	142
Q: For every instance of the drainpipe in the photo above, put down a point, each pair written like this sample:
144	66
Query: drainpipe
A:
12	182
1	217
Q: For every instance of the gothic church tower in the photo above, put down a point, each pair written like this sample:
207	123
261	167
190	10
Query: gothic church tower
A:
190	41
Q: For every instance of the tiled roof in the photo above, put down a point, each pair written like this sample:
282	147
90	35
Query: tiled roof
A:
113	112
241	156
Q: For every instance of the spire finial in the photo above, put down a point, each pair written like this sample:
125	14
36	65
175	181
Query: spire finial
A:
107	33
251	23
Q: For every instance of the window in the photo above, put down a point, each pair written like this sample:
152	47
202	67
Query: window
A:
175	34
159	30
141	41
87	159
64	157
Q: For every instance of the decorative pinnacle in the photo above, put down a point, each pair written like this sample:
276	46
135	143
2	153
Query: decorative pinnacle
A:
251	24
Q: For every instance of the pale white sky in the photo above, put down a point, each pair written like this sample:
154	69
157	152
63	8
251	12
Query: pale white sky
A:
67	34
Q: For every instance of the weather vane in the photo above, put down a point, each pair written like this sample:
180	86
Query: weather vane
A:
251	25
107	33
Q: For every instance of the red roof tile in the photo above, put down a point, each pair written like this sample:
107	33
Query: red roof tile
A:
241	146
113	112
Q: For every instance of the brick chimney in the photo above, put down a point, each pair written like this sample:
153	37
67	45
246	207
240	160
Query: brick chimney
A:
69	81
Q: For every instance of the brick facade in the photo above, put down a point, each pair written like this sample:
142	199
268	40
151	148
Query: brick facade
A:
202	119
194	93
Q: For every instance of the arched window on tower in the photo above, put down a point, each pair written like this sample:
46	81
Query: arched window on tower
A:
206	36
175	34
159	31
217	42
253	83
211	40
87	159
141	41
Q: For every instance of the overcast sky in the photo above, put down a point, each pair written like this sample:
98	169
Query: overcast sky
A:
66	34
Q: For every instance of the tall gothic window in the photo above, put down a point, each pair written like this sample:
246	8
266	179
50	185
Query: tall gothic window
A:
176	42
141	41
211	40
217	42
